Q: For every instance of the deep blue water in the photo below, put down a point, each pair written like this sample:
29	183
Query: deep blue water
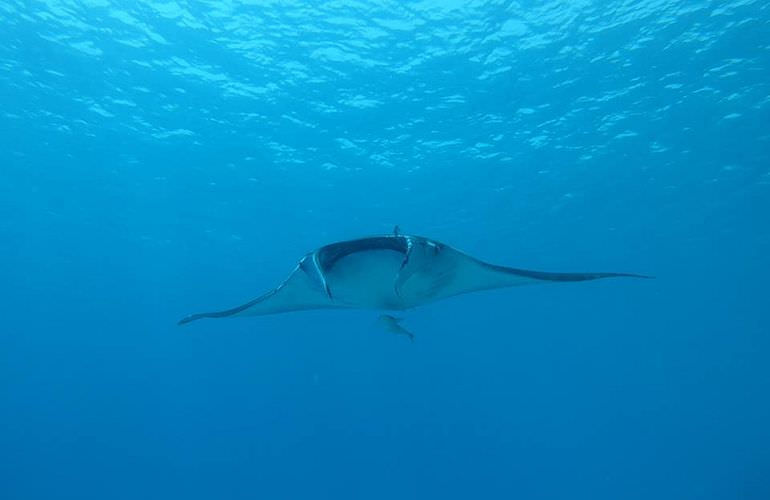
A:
158	159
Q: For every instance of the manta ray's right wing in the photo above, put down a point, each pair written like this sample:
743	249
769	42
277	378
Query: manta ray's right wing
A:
452	272
535	276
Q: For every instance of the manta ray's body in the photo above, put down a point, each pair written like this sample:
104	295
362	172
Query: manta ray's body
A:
390	272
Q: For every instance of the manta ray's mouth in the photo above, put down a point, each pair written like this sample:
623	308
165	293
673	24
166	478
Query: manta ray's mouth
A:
329	255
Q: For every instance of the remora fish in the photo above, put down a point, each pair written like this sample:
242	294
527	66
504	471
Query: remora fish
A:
392	324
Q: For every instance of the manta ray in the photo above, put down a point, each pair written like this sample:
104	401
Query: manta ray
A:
389	272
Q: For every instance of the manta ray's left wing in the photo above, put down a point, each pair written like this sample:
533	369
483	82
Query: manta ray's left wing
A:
301	290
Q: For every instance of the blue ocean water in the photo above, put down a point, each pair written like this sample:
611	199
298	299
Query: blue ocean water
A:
163	158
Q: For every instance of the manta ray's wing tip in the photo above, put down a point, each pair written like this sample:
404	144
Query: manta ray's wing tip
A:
624	275
188	319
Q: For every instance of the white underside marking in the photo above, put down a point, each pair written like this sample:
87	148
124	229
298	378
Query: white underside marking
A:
366	279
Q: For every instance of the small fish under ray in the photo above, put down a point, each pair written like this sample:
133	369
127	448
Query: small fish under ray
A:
392	324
